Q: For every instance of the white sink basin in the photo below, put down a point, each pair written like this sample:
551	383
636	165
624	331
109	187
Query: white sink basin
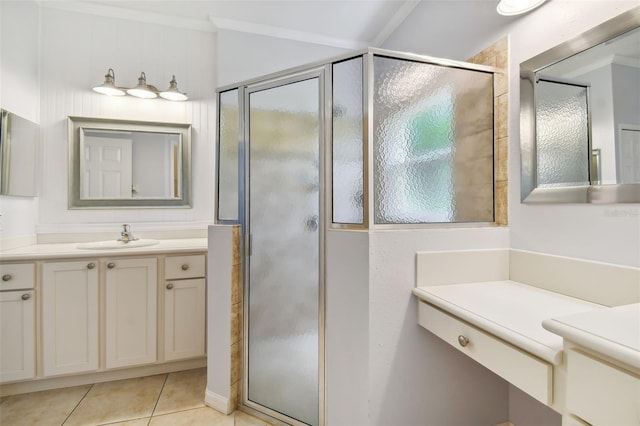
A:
114	244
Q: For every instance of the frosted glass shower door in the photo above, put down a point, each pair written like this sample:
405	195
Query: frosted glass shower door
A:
284	228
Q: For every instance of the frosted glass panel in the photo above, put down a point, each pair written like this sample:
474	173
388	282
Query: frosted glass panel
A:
562	134
347	165
433	143
228	170
284	222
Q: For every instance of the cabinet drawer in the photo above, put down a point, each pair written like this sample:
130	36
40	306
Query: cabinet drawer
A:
600	393
523	370
177	267
15	276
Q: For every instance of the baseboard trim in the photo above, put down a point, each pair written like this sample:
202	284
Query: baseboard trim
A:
48	383
217	402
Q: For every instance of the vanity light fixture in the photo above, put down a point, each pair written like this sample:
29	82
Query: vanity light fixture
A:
517	7
172	93
109	87
142	90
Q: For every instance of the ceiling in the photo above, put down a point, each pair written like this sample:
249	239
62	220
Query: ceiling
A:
341	23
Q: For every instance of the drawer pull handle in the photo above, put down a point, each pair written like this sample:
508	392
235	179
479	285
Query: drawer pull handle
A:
111	265
26	296
463	341
169	286
91	265
6	277
185	267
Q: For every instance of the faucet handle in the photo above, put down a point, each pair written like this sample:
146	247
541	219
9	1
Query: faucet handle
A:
126	227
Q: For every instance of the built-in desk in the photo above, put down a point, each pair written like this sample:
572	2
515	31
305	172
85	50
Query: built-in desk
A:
499	324
546	324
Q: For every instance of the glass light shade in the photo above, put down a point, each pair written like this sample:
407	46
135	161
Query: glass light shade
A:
142	90
109	87
517	7
172	93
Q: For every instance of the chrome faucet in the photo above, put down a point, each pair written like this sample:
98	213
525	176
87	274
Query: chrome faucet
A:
126	235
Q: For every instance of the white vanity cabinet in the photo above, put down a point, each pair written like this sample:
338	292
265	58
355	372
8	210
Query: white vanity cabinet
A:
184	307
130	311
70	309
600	393
72	315
17	322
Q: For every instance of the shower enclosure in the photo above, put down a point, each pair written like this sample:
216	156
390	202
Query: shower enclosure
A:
374	139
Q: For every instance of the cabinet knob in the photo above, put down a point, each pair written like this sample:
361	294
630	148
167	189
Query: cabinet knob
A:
91	265
463	341
169	286
6	277
185	267
26	296
111	265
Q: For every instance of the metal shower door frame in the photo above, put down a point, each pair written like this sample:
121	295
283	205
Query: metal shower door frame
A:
323	74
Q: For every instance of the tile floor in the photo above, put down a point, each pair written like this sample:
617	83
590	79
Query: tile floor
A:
175	399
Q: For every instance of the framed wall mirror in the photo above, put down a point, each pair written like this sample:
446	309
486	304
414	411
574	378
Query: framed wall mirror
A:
19	146
121	163
580	117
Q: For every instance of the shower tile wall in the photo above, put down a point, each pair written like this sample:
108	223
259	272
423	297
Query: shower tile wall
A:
235	394
497	55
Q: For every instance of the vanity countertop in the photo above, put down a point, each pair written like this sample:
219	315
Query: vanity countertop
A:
613	332
509	310
71	250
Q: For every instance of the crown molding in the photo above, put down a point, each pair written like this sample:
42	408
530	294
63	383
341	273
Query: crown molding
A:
396	20
128	14
285	33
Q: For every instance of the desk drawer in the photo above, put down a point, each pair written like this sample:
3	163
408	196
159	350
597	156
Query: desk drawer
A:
523	370
16	276
178	267
600	393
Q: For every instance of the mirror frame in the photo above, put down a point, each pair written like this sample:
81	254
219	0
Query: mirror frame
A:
530	193
75	124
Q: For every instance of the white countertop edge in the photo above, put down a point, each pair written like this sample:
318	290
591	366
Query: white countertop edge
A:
518	340
596	343
70	250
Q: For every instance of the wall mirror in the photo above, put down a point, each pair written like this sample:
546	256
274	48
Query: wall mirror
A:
18	155
119	163
580	117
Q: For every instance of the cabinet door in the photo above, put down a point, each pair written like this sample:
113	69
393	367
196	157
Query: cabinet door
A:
17	335
131	289
69	317
184	319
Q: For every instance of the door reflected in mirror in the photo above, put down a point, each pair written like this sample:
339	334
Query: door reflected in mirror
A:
117	163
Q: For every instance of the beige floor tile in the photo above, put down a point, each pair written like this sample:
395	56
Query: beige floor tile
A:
41	408
136	422
118	401
183	390
244	419
196	417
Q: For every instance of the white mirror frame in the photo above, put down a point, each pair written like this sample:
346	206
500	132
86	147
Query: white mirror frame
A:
75	126
530	193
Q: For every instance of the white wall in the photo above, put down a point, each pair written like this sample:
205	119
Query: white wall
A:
415	377
77	50
243	56
608	233
19	93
